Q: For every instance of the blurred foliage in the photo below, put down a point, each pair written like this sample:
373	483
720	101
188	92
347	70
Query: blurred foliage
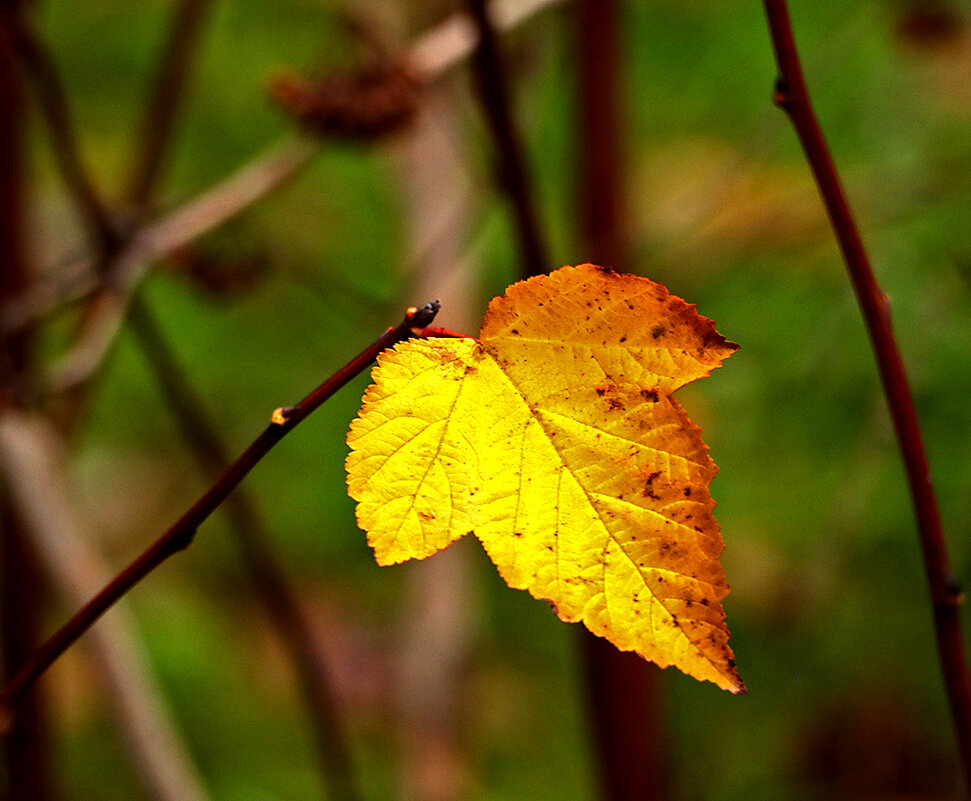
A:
829	613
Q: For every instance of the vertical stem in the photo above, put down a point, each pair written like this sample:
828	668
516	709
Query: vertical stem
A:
165	100
493	91
601	189
26	748
28	773
946	597
622	688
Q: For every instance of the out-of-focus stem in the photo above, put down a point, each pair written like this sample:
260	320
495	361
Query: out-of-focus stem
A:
27	773
268	578
162	108
622	689
432	55
493	91
39	65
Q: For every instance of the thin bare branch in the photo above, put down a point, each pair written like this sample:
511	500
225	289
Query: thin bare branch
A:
180	535
453	41
946	597
269	580
30	453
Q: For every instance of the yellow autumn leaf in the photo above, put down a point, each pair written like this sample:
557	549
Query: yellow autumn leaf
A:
554	440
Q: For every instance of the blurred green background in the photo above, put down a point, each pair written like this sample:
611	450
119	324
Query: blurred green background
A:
829	612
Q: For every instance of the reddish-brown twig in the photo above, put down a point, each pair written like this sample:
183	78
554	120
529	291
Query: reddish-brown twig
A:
180	535
493	91
946	597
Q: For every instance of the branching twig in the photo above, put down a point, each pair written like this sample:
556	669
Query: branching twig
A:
99	330
268	578
214	207
180	535
946	597
160	238
493	91
432	55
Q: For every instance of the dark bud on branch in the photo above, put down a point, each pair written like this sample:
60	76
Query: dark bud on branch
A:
423	317
781	93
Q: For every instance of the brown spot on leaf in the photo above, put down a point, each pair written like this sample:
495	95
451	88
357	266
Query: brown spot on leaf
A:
658	330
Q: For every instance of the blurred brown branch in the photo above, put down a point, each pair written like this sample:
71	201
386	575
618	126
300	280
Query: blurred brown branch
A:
268	578
27	757
39	65
155	135
432	55
30	454
102	319
492	87
623	692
